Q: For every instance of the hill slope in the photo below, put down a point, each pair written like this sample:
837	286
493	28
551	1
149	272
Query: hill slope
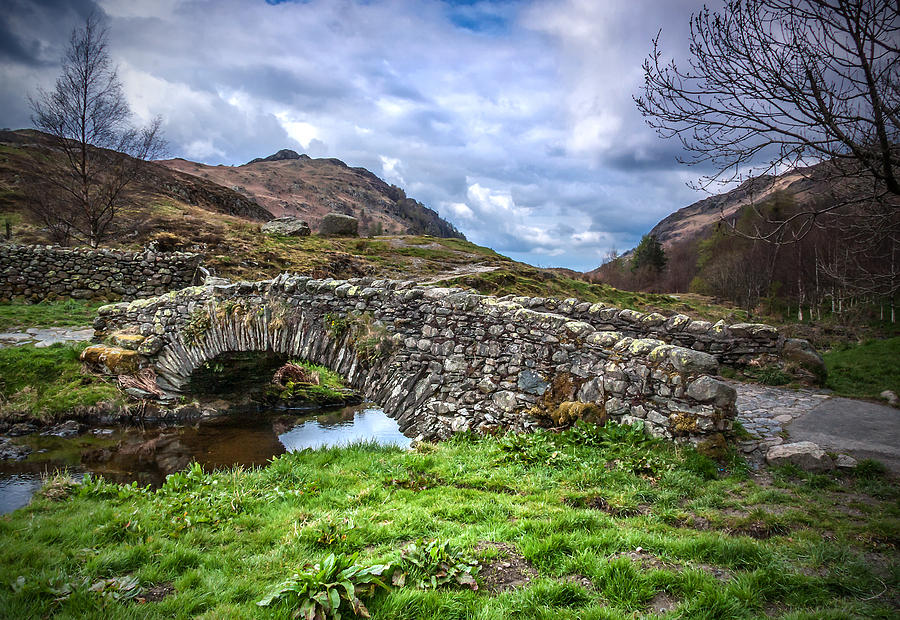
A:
159	182
287	183
699	219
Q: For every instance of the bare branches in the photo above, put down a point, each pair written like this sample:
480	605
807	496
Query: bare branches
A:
776	84
81	187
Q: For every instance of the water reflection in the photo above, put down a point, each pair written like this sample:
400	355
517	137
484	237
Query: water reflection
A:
148	455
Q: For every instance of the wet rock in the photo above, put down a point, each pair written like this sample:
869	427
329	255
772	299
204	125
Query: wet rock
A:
288	226
21	428
69	428
804	454
10	451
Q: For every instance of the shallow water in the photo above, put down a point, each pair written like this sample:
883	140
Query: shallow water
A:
147	455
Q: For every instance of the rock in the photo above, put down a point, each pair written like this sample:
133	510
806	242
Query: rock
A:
339	225
845	461
21	428
801	352
708	390
10	451
890	397
688	360
114	360
532	383
505	400
69	428
288	225
125	341
151	346
804	454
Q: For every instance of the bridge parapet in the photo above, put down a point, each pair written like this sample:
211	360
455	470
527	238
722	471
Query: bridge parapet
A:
438	360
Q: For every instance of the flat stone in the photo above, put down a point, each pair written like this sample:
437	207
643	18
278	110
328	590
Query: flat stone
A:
844	461
531	382
803	454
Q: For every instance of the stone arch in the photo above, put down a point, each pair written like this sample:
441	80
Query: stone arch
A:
218	327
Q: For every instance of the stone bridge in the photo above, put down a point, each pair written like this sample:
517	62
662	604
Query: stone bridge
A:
438	360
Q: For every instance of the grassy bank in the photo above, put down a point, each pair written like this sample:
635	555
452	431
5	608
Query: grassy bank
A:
67	313
865	370
48	382
589	524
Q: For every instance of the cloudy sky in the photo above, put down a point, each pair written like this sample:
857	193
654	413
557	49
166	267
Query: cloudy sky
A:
512	118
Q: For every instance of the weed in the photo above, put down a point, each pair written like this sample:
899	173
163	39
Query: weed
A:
322	590
434	564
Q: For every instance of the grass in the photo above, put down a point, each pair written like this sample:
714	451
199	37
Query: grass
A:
721	544
68	313
865	370
48	382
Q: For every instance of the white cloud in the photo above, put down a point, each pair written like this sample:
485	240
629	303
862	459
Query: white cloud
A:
523	133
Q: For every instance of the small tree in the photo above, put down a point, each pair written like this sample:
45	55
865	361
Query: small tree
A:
82	187
649	254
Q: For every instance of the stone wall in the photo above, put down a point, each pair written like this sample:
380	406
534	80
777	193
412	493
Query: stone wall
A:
42	272
438	360
734	344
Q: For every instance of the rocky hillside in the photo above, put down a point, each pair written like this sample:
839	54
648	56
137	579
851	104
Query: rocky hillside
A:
156	182
698	219
288	183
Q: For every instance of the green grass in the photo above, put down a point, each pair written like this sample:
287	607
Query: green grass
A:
68	313
225	539
47	382
865	370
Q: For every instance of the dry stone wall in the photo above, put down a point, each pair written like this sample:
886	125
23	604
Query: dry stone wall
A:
438	360
734	344
41	272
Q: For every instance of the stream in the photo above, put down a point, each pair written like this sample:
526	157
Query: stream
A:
148	454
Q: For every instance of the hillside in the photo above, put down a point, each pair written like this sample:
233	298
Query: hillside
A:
288	183
156	183
699	219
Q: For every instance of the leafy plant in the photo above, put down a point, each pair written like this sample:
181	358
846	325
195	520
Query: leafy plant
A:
196	326
336	325
432	564
323	590
192	497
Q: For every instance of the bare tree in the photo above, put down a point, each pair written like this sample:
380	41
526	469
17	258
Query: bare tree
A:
805	85
773	85
97	154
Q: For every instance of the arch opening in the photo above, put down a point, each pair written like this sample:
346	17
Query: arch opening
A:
268	379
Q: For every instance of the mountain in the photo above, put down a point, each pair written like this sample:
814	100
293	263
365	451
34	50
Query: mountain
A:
155	182
288	183
699	219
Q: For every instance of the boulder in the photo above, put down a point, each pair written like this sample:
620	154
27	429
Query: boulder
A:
114	360
708	390
890	397
803	454
339	225
801	352
288	226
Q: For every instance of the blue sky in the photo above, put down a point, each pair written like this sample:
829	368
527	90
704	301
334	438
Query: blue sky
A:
513	118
